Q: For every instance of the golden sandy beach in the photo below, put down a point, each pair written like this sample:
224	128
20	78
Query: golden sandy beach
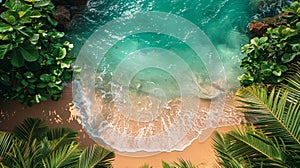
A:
57	114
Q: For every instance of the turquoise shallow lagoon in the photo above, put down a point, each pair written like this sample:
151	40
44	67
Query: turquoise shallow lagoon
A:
156	73
224	22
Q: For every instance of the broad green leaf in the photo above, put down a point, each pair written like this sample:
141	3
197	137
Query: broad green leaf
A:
24	82
5	27
42	85
4	37
19	27
52	21
5	80
10	17
16	59
10	4
295	47
61	53
51	84
34	14
18	76
255	41
298	25
287	57
34	39
267	72
28	74
37	98
41	3
58	81
263	39
57	34
25	20
64	65
24	9
277	73
4	49
282	68
29	53
32	80
45	78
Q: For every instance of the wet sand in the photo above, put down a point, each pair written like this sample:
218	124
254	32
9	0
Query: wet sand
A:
58	114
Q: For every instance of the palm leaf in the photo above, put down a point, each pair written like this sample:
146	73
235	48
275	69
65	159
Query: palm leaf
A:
6	140
184	164
65	156
252	144
146	165
95	156
166	165
293	81
276	117
60	137
180	164
224	157
30	129
23	155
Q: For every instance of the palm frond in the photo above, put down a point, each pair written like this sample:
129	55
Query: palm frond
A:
248	147
65	156
224	157
23	155
146	165
30	129
6	140
166	165
252	144
275	116
96	155
293	81
61	136
184	164
180	164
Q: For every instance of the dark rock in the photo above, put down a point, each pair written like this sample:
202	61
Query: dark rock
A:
63	17
275	20
258	28
69	2
66	10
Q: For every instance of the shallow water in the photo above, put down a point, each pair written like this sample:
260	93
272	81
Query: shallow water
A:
155	74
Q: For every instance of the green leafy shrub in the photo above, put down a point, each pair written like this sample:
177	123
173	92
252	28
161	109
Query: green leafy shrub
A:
33	58
268	57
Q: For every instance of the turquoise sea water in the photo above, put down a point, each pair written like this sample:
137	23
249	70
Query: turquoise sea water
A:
223	21
140	90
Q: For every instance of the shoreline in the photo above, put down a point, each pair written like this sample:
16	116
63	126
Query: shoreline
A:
59	114
199	153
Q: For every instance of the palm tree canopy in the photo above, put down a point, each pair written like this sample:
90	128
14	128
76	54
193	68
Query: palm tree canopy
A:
271	138
32	144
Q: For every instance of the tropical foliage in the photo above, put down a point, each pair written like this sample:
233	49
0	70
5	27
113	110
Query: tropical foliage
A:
33	57
272	137
180	164
32	144
267	57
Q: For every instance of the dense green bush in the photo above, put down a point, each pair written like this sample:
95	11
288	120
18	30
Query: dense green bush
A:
33	58
267	57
